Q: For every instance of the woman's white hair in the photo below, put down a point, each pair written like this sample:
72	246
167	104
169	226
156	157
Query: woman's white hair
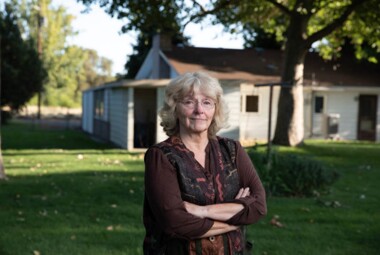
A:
185	85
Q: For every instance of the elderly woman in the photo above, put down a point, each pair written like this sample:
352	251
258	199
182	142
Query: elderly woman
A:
200	189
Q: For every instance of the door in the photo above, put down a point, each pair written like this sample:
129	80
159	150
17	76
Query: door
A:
367	117
318	122
145	115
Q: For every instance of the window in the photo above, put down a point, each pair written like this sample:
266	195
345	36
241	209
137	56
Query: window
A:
252	104
99	103
318	104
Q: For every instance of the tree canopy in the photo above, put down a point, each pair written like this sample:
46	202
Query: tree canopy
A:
21	69
67	68
147	17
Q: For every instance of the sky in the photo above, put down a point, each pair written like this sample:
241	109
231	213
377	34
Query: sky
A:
99	31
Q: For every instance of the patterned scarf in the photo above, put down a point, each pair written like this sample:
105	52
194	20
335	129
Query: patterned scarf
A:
219	185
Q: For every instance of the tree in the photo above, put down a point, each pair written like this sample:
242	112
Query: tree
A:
68	66
22	71
256	37
299	24
147	17
96	69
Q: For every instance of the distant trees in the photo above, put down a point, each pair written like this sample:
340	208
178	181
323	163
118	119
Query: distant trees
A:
36	56
68	67
22	73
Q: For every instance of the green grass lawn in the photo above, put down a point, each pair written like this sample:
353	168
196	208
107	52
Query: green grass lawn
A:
68	194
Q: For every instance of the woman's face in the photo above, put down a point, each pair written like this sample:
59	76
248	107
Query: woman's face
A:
195	113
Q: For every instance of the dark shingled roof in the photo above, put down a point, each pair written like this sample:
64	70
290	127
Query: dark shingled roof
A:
261	66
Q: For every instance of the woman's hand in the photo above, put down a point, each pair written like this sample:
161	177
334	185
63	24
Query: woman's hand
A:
196	210
220	212
243	192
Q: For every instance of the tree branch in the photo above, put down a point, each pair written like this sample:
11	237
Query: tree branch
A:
335	24
200	6
204	12
280	6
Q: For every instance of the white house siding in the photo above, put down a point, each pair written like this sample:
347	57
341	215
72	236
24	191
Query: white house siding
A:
308	113
88	111
344	103
118	116
232	96
130	108
106	104
254	125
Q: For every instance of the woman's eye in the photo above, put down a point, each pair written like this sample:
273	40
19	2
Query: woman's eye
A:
188	102
207	102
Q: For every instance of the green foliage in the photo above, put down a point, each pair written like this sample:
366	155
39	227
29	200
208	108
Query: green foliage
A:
69	68
275	18
22	73
292	175
256	37
148	17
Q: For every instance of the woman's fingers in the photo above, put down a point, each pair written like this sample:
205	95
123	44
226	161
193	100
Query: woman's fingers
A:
246	192
239	193
243	192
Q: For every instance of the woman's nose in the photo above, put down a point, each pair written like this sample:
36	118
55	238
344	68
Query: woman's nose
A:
198	107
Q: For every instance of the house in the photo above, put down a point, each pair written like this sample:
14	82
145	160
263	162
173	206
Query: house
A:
341	98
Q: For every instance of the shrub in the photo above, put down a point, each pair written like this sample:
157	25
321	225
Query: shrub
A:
292	175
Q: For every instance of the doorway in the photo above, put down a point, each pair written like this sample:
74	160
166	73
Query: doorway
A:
145	115
367	117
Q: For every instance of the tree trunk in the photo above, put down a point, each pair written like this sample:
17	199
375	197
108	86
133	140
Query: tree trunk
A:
290	120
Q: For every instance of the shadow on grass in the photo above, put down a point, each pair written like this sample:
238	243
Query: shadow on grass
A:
91	212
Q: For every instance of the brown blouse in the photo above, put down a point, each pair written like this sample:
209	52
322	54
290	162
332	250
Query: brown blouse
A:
164	207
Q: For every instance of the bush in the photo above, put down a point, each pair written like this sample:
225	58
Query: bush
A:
292	175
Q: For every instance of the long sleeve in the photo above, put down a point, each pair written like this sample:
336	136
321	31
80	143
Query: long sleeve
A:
164	202
255	204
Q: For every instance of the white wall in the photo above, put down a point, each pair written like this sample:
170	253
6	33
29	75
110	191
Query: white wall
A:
232	96
345	104
88	111
254	125
118	116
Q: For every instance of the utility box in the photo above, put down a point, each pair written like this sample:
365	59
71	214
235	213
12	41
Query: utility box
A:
332	125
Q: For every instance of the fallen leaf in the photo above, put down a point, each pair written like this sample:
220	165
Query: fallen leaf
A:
275	222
